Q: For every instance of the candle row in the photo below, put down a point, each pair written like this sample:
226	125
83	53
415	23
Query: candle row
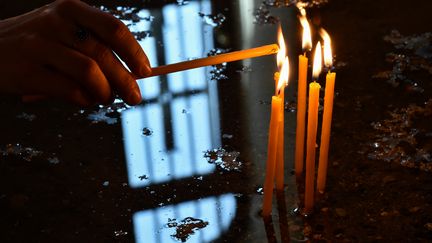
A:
275	150
312	118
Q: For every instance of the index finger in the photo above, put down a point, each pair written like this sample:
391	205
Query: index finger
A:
111	31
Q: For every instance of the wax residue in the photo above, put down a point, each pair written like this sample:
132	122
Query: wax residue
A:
26	116
218	71
214	20
226	160
413	54
186	227
405	137
22	152
147	131
262	14
130	17
131	14
141	35
108	114
102	115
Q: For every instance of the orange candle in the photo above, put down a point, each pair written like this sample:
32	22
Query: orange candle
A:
312	126
274	150
280	145
213	60
301	115
314	88
327	116
271	156
280	164
301	95
325	133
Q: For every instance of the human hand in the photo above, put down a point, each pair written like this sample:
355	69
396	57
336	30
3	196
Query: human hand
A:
65	50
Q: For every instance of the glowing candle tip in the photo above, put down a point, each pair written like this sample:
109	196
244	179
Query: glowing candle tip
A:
328	58
283	77
317	62
306	37
282	48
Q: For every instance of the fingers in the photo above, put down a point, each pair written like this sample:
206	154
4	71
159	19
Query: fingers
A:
78	67
120	79
53	84
112	31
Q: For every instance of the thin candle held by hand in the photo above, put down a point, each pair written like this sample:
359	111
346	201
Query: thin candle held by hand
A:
312	127
213	60
327	115
301	95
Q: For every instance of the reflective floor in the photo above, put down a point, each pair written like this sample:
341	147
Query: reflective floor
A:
186	165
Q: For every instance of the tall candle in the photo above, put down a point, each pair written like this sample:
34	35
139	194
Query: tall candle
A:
280	165
301	115
275	160
312	126
325	133
327	116
301	94
281	80
271	156
314	88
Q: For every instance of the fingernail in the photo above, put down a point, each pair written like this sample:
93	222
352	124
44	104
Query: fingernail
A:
136	97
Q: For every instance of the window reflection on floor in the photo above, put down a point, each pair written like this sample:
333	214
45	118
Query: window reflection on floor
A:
151	225
152	159
181	109
165	138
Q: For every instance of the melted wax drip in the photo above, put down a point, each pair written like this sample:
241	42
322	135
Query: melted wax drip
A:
186	227
108	114
218	71
127	13
213	20
25	153
225	160
262	13
141	35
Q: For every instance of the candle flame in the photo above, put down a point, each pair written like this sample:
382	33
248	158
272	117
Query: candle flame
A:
328	58
284	73
317	62
301	6
307	37
282	48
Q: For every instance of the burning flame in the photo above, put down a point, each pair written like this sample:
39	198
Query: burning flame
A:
282	48
284	73
328	58
307	38
317	62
